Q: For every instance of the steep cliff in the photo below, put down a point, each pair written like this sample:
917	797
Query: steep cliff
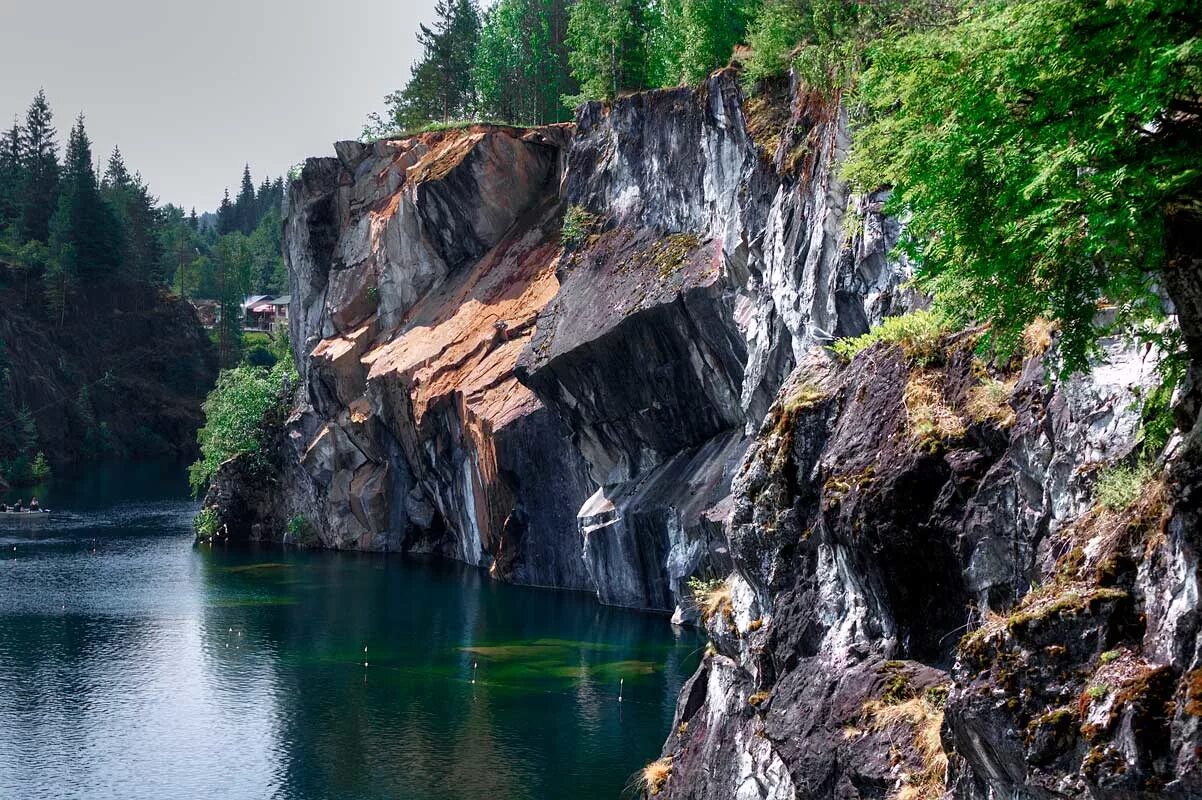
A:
477	385
928	596
590	357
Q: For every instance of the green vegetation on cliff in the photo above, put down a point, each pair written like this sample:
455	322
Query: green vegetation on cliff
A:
1037	149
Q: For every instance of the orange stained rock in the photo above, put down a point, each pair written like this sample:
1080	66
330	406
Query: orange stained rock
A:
452	344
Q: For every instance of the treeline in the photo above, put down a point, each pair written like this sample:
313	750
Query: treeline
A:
77	234
533	61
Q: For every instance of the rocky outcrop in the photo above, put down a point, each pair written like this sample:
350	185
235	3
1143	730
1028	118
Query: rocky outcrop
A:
927	598
563	412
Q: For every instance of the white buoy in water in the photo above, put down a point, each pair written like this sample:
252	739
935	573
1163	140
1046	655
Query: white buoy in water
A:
621	683
475	664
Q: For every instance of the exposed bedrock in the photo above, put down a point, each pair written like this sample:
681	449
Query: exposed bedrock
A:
565	413
928	599
720	245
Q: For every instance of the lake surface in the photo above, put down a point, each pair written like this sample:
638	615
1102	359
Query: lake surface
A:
135	665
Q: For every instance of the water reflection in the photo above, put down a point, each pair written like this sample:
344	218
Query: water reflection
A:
152	669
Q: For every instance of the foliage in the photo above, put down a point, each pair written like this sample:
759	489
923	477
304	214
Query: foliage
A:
827	42
40	469
1121	485
918	333
206	524
1035	147
520	68
606	48
577	225
300	530
234	417
440	85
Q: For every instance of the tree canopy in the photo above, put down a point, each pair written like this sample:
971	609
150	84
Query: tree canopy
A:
1035	147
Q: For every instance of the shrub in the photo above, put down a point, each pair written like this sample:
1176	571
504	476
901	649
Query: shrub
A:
234	418
578	223
917	333
711	596
41	468
206	524
1121	485
300	530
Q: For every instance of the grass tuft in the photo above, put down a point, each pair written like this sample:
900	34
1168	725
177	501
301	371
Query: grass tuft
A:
925	719
989	401
931	420
917	333
652	778
711	597
1119	486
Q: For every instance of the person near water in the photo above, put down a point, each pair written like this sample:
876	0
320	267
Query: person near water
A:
3	507
33	504
18	506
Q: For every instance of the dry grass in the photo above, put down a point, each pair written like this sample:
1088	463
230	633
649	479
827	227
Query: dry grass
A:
712	597
1037	337
924	720
652	778
989	401
930	418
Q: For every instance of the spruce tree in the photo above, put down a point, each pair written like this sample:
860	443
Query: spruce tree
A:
12	178
116	176
84	232
39	157
245	215
226	218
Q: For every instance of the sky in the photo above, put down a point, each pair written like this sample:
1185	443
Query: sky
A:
192	90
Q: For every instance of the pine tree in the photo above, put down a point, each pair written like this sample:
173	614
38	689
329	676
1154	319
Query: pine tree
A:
39	155
194	221
12	178
226	218
245	211
84	232
440	86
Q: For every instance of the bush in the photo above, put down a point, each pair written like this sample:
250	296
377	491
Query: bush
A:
577	225
206	524
234	417
1121	485
918	333
40	470
300	530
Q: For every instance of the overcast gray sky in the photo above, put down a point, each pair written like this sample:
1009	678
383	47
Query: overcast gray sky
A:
192	90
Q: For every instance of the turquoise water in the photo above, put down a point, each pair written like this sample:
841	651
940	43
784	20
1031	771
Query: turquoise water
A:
134	665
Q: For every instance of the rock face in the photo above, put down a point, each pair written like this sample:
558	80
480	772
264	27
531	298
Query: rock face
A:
564	412
890	506
588	357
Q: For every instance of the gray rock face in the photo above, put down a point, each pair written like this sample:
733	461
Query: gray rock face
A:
566	416
708	267
886	509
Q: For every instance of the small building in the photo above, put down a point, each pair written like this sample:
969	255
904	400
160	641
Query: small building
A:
263	312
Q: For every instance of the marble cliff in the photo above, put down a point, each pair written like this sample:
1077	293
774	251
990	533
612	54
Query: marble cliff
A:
590	357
